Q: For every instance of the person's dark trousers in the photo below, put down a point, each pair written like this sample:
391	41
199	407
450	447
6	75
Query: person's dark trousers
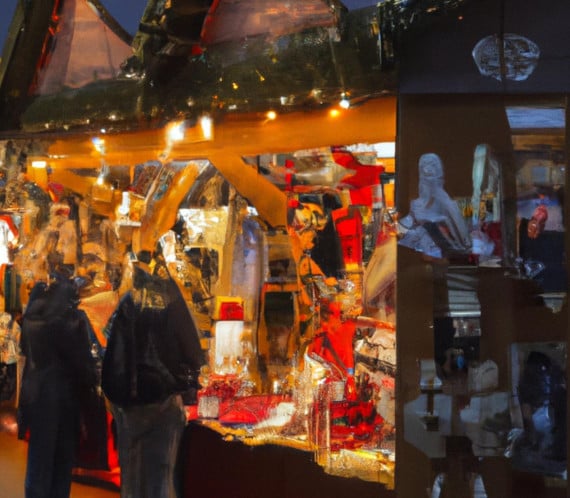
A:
53	440
149	440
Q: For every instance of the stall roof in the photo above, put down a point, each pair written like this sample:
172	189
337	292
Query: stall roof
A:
86	47
193	56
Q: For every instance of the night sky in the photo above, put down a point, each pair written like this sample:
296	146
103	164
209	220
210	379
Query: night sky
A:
127	12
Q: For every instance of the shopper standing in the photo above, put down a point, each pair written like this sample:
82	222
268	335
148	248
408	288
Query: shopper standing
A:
58	368
153	356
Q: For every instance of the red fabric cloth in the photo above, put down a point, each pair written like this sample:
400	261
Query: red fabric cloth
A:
249	410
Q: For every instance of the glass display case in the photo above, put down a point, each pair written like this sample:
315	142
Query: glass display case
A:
493	319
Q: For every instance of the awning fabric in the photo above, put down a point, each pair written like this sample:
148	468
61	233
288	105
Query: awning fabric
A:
83	50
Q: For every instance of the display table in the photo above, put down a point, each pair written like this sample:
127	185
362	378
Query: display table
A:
213	466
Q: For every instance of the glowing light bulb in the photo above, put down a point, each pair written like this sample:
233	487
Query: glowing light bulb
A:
207	126
99	144
175	132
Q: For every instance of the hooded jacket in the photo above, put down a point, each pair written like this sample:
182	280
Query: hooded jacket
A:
55	343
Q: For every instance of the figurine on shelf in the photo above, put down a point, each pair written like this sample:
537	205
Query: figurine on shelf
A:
434	225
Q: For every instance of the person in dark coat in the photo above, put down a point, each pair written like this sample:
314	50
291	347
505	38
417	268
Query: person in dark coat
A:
58	369
159	360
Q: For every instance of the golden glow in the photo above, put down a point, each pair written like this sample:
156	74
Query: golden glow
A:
175	132
271	115
207	126
235	86
39	173
103	173
99	144
373	121
236	136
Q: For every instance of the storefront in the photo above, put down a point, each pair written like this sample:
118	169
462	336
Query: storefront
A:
266	200
312	210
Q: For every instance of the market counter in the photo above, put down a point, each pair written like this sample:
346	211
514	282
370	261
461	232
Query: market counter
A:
213	466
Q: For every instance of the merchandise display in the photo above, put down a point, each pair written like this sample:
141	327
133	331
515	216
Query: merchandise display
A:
335	236
296	356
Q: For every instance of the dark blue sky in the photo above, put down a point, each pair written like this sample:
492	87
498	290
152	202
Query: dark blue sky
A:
127	12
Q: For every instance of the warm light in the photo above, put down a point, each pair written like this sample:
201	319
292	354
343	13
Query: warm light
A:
99	144
334	113
235	86
228	344
207	126
102	175
125	206
271	115
175	132
344	103
39	172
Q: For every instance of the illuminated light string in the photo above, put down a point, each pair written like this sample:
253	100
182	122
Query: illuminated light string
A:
176	133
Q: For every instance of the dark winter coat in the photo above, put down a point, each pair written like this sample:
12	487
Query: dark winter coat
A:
55	344
153	349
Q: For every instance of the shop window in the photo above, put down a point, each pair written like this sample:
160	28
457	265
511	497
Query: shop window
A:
483	231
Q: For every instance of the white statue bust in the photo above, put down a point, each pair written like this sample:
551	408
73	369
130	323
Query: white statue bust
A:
434	224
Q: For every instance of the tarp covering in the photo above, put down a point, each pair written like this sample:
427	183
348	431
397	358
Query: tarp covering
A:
195	56
83	50
234	20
